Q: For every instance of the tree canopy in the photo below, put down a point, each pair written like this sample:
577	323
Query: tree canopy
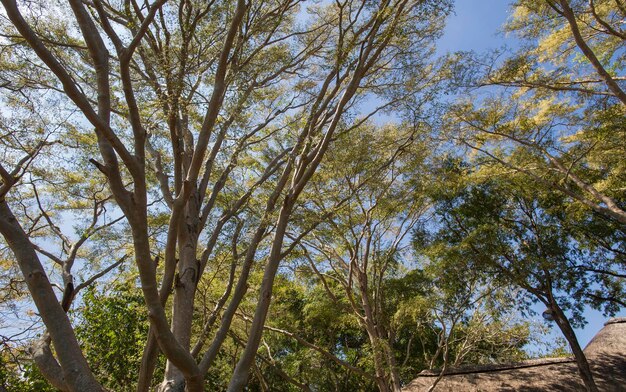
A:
288	195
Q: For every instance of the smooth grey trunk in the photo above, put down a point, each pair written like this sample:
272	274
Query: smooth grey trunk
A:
242	370
148	363
185	284
76	372
47	364
168	343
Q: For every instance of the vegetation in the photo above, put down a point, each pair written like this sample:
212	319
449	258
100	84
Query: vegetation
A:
277	195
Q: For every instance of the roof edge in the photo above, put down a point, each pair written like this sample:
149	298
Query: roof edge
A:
497	368
615	320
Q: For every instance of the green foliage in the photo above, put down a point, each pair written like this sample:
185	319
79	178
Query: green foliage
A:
112	331
23	376
523	236
414	244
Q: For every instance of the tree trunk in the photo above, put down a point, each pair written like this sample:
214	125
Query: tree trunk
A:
379	362
579	355
391	360
375	338
185	285
242	370
76	372
148	362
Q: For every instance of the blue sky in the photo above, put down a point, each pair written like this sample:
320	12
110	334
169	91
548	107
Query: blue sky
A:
476	25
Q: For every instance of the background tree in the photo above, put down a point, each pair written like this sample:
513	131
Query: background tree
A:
361	259
112	330
546	112
512	231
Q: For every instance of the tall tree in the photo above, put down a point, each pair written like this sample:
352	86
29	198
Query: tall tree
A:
205	115
361	258
361	245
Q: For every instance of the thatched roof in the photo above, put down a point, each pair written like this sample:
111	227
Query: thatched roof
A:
610	340
606	354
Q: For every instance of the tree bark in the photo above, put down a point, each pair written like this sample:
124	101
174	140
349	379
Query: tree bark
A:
148	363
76	373
185	285
47	364
568	13
581	360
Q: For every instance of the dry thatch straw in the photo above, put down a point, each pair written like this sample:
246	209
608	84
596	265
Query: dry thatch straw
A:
606	354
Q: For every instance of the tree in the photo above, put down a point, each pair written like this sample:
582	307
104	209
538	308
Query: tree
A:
112	332
198	116
550	112
361	258
559	98
361	245
511	230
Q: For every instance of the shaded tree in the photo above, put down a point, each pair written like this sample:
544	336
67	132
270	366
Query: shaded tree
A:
508	229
